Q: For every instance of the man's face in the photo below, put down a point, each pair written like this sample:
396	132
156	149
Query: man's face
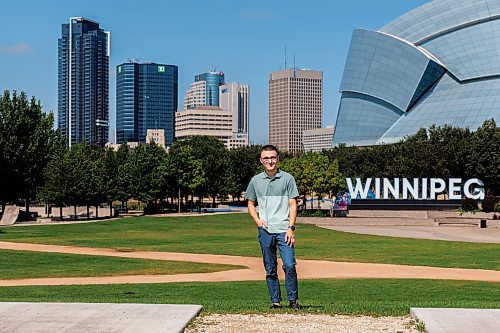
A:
269	160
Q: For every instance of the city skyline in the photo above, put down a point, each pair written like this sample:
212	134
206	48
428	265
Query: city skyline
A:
247	42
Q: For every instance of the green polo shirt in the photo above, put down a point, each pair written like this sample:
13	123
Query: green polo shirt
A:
272	195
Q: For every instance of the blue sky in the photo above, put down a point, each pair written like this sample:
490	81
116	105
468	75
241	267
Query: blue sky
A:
245	39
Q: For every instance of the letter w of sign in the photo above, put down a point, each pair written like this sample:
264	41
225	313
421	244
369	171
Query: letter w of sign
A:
359	190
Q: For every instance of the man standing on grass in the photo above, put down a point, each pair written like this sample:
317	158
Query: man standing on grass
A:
275	193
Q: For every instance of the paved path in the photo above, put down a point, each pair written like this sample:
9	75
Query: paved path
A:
95	317
458	320
406	227
462	234
307	269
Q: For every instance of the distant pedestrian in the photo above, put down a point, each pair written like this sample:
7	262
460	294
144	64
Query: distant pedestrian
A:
275	194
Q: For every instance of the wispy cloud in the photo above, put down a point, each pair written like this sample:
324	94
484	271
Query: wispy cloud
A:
16	49
257	14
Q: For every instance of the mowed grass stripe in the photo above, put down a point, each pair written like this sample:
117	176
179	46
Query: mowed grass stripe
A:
27	264
352	297
235	234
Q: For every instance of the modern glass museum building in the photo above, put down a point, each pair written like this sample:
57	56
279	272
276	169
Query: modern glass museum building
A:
437	64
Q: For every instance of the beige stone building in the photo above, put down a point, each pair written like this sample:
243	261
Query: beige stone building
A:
157	136
295	105
318	139
210	121
195	96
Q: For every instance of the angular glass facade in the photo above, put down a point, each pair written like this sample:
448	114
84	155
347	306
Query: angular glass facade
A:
146	98
437	64
213	81
83	82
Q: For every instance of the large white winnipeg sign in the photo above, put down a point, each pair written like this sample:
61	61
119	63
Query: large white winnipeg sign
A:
416	188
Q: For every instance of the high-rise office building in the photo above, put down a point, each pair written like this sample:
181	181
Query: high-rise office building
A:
146	98
233	97
204	90
295	105
83	82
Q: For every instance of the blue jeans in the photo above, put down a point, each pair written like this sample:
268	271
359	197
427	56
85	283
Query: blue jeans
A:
269	243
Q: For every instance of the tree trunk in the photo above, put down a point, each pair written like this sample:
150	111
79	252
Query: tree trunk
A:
60	213
75	213
179	200
88	212
111	209
96	212
27	205
213	201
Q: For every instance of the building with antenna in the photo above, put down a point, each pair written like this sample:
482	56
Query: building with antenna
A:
146	99
83	82
295	105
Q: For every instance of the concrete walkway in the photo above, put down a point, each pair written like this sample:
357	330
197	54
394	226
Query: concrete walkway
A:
413	224
95	317
460	234
307	269
458	320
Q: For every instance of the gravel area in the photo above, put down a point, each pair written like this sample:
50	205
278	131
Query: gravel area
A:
287	323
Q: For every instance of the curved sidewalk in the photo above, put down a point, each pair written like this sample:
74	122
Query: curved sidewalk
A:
307	269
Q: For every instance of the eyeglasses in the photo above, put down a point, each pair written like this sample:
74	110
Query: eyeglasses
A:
269	159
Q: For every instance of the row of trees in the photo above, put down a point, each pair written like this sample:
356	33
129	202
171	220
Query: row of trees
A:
27	141
36	165
440	151
199	166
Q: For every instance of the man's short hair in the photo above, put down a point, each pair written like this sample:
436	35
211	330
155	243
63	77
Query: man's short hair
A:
269	148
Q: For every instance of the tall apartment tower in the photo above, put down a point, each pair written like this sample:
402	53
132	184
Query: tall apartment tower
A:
83	82
204	90
146	99
295	105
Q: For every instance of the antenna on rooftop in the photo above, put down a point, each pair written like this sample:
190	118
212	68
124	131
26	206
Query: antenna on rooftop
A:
285	56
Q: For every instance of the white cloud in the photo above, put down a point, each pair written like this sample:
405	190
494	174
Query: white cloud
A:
16	49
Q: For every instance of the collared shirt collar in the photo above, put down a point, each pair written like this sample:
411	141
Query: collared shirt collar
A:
277	175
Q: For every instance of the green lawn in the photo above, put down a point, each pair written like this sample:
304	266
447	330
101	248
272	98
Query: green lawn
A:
235	234
26	264
354	297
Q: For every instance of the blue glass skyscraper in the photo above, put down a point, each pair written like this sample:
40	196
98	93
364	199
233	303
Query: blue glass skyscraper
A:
213	80
146	98
83	82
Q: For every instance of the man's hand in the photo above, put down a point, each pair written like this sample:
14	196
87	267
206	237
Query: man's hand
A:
255	217
290	237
